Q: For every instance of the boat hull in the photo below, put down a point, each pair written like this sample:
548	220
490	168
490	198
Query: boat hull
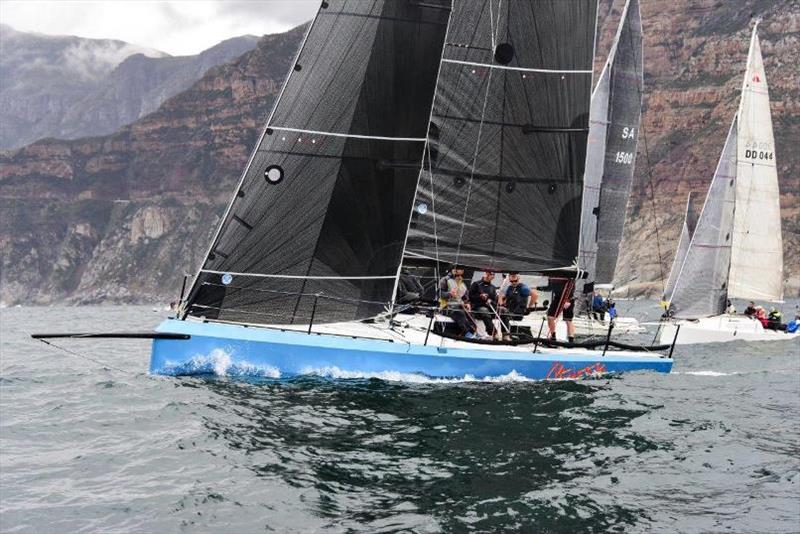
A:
720	329
221	349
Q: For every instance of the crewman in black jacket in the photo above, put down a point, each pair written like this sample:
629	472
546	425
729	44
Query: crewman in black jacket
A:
483	300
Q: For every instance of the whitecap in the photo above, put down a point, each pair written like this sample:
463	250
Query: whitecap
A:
219	362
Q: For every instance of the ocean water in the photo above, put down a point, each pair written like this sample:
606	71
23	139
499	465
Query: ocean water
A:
89	442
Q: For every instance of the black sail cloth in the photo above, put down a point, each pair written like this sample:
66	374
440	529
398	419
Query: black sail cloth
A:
502	179
613	136
318	223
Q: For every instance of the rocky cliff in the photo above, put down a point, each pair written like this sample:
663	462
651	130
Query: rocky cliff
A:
69	87
122	216
695	57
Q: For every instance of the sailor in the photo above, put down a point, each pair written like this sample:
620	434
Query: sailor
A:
455	301
775	320
611	306
515	300
761	315
750	310
730	309
534	301
563	303
793	325
598	306
483	301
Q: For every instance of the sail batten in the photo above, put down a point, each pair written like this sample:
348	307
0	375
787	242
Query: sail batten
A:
344	141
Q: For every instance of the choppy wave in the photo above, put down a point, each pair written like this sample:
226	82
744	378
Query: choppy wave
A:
219	363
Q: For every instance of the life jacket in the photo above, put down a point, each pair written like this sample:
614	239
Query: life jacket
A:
446	299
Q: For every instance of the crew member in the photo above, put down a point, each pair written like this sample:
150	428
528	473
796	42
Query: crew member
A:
483	301
515	301
563	303
455	301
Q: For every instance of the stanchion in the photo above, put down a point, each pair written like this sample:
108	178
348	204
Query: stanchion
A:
313	312
608	336
539	335
674	339
430	325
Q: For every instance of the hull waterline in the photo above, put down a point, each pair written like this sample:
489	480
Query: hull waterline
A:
223	349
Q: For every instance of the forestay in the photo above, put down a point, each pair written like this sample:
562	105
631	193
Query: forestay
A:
503	173
701	285
318	221
757	262
611	153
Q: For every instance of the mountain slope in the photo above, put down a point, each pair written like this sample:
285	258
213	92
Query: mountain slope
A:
69	87
119	217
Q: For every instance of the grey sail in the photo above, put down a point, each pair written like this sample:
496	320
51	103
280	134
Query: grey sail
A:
318	221
687	231
611	157
701	286
503	174
593	177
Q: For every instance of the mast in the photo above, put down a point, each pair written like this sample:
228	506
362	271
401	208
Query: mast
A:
611	152
508	137
756	271
317	223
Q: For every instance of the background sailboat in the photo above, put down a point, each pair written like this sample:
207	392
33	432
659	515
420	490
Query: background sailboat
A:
735	250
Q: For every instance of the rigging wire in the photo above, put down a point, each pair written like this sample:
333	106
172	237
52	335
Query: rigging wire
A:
494	31
83	356
649	172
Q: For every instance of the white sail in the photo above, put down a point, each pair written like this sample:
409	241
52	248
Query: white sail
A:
757	257
593	176
687	232
701	285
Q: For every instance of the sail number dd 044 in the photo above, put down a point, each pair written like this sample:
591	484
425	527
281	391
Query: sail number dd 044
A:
761	150
759	154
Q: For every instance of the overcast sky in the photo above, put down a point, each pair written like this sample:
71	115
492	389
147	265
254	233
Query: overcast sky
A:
175	26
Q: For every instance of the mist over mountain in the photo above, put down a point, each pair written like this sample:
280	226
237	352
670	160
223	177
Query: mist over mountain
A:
121	217
69	87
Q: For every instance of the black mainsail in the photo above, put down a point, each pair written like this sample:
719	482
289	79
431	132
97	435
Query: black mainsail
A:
344	141
503	174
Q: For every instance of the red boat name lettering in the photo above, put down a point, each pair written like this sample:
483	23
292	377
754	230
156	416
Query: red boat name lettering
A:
557	370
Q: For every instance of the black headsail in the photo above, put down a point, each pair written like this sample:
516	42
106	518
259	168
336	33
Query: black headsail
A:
318	222
613	136
502	179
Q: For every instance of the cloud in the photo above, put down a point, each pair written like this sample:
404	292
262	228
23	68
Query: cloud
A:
178	27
